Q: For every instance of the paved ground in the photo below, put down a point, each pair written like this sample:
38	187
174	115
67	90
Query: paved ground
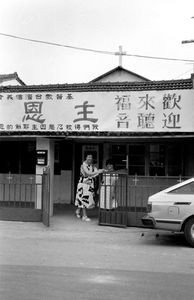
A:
78	260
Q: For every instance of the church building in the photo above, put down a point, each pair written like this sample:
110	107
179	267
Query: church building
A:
146	127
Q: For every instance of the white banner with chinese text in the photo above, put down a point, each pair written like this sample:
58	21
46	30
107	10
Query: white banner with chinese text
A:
138	111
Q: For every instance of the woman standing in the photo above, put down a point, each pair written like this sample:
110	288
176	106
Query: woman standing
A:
85	188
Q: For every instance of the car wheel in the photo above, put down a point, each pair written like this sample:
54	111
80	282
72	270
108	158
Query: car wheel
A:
189	232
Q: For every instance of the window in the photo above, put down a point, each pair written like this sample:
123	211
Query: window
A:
63	157
27	158
17	157
174	160
157	160
185	189
137	159
119	154
165	159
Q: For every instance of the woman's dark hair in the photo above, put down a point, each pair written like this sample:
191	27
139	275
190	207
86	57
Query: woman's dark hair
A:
88	153
109	162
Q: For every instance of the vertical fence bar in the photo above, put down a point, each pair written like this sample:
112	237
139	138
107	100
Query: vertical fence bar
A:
14	199
126	201
4	192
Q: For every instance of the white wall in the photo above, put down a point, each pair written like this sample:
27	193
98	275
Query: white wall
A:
63	187
120	76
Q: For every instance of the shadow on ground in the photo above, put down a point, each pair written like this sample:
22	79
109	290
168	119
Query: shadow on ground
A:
64	217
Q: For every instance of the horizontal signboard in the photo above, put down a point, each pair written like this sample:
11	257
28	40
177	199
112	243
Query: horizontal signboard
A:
138	111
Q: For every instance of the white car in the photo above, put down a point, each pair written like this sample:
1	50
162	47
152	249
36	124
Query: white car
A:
173	209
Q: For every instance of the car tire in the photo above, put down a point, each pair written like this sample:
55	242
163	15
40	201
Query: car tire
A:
189	232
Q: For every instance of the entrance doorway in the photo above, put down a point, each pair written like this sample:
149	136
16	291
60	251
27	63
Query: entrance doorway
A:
68	158
81	151
63	173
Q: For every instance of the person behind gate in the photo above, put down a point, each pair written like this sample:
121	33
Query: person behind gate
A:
108	188
85	188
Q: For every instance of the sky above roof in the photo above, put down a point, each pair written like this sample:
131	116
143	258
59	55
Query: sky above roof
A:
142	27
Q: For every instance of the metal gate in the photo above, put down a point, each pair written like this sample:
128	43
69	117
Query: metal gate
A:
123	198
24	197
113	200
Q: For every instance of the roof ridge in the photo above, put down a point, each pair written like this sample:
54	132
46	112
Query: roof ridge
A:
14	75
115	69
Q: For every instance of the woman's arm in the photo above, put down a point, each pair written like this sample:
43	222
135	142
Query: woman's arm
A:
96	171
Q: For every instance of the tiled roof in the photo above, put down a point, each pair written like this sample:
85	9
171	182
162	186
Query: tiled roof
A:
7	77
103	86
99	134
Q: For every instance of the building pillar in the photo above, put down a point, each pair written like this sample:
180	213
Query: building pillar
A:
192	77
45	144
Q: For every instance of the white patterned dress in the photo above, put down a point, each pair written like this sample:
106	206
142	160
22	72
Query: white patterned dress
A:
85	187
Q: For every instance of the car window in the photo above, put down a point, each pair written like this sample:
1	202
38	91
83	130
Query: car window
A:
185	189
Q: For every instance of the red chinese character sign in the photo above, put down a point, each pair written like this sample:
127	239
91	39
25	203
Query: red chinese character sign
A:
136	111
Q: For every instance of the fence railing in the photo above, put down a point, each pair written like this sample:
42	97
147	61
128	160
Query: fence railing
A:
20	190
129	194
113	191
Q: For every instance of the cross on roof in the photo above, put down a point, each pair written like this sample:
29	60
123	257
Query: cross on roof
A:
120	53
